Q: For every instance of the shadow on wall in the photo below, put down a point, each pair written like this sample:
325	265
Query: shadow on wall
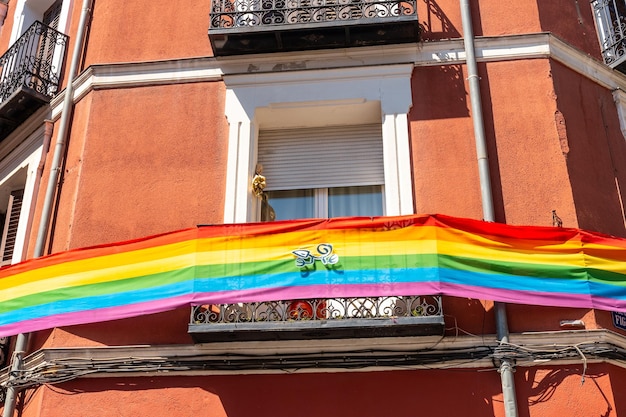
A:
439	93
355	394
436	24
169	327
571	21
562	383
492	145
595	151
468	316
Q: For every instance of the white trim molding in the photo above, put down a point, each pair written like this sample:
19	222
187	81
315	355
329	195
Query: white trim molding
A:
108	76
444	52
20	166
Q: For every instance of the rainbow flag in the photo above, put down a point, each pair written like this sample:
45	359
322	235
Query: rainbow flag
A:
350	257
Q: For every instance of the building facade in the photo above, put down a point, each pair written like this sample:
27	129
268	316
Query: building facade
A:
122	120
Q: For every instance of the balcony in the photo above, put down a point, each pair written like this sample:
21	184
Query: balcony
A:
29	75
610	16
334	318
261	26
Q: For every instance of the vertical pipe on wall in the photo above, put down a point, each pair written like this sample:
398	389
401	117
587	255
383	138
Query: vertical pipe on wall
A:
22	339
21	344
506	368
59	149
477	113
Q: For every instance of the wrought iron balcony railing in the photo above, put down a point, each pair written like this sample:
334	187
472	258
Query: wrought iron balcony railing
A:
253	26
319	318
29	62
610	16
30	71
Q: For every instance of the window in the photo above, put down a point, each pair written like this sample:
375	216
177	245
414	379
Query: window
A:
328	141
47	50
298	113
323	203
18	184
52	13
35	58
10	221
322	172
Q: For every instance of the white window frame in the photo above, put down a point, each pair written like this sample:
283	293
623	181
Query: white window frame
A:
26	156
28	11
380	94
321	208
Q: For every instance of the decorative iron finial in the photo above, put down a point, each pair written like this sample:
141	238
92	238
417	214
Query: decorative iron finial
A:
556	220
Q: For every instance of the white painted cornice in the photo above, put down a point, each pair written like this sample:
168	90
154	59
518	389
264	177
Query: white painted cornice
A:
585	65
127	75
443	52
336	74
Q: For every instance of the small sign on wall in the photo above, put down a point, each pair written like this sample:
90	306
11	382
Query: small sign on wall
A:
619	320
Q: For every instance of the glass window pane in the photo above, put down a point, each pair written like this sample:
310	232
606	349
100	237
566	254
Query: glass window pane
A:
291	204
355	201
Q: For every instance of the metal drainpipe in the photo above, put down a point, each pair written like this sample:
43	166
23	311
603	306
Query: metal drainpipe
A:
59	149
502	328
21	343
47	138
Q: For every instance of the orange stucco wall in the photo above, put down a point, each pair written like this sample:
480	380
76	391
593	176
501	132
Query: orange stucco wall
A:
522	133
161	30
5	31
571	21
494	18
595	151
540	392
167	29
142	161
441	19
519	107
439	123
168	328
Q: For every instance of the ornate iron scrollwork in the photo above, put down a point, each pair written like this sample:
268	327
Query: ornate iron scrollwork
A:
29	62
238	13
318	309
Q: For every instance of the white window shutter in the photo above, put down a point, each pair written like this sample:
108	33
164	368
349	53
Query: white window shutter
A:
9	233
323	157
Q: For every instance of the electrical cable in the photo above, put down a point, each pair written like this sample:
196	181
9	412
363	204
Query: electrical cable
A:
67	369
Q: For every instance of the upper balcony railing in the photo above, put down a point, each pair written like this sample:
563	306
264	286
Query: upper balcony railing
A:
610	16
30	71
256	26
318	319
